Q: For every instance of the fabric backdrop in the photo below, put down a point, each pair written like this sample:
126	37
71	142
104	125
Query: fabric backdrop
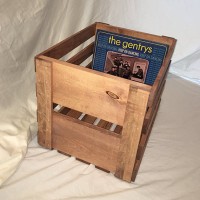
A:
29	27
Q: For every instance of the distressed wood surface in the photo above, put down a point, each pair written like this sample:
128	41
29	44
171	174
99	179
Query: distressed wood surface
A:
44	102
135	111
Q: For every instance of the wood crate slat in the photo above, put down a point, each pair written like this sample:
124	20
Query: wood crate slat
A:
118	129
82	55
73	113
89	119
85	142
62	48
104	124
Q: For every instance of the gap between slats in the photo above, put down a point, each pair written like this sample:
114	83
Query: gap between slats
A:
88	118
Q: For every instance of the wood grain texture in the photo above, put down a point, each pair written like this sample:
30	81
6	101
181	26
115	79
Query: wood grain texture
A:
88	91
44	102
62	48
85	141
135	112
64	110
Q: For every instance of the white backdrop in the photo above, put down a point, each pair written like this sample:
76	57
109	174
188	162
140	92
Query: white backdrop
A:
29	27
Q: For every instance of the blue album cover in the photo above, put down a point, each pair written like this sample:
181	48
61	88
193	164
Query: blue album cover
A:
128	57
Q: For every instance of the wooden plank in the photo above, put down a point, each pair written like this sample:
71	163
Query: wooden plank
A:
143	144
158	82
73	113
152	119
152	109
104	124
64	110
85	141
62	48
136	34
44	102
92	92
97	73
118	129
82	55
135	112
89	119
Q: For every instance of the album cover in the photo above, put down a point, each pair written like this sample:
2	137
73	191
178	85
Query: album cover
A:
128	57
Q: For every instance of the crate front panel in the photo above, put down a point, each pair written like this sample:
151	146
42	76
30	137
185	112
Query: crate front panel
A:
87	92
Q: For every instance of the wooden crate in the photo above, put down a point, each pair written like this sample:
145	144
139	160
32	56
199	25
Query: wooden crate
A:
96	117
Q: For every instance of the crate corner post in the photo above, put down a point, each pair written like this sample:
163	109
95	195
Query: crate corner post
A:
131	133
44	101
